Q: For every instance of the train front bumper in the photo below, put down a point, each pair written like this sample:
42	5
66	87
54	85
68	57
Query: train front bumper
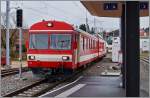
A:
50	61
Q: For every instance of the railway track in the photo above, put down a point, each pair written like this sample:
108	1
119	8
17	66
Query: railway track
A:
40	87
44	85
12	71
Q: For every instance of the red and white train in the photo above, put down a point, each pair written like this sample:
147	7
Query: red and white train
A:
54	45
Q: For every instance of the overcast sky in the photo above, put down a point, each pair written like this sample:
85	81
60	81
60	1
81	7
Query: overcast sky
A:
70	11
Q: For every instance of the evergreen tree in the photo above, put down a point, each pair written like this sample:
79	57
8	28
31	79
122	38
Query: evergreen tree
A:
82	27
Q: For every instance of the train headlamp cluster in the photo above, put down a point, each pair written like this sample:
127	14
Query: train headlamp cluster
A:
65	58
32	57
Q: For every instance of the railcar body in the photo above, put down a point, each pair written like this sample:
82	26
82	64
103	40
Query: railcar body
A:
55	45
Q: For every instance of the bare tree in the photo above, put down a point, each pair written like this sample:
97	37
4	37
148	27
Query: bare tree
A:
13	32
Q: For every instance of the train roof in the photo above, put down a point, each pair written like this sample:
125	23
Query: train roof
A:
51	25
84	32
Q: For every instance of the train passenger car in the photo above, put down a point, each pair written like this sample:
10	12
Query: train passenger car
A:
55	46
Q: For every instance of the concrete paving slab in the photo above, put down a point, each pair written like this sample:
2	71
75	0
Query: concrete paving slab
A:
91	86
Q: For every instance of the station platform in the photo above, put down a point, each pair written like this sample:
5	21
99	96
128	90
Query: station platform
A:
90	86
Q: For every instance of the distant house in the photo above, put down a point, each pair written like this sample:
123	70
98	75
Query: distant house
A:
144	40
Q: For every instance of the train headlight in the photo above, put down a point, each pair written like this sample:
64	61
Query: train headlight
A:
49	24
32	57
65	58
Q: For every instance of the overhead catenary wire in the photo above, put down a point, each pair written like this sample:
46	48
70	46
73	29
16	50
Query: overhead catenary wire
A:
66	12
37	12
66	15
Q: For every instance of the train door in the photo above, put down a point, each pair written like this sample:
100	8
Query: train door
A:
76	49
98	47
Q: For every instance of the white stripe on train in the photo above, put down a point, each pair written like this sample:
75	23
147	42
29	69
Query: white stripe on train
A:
57	58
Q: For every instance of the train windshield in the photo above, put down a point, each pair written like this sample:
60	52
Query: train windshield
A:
39	41
60	41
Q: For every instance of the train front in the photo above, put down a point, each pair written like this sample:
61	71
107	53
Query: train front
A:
50	48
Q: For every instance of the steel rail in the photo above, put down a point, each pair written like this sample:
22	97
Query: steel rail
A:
12	71
28	91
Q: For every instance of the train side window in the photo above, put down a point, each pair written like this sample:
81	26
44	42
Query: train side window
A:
86	43
89	44
83	43
95	44
92	44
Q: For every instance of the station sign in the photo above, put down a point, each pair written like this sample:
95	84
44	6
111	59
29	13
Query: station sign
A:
114	6
110	6
143	5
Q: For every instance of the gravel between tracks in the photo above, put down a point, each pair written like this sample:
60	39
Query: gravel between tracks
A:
11	83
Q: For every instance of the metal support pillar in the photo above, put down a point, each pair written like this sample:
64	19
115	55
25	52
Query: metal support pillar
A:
132	49
0	39
20	52
123	68
7	33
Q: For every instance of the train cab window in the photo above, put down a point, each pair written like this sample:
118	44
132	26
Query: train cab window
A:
38	41
60	41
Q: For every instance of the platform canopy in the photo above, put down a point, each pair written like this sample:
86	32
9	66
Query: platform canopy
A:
112	8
